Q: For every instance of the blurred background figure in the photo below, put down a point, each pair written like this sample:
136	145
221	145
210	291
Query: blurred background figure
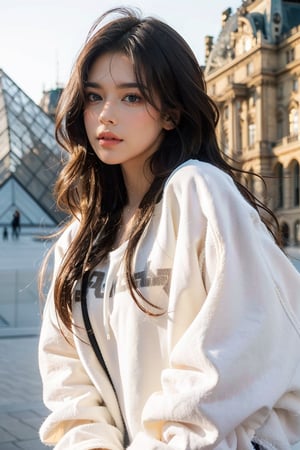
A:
16	227
5	234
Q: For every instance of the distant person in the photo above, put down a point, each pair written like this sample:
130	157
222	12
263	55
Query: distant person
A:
168	265
15	224
5	233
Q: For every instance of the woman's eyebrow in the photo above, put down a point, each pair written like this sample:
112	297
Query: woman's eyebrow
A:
93	84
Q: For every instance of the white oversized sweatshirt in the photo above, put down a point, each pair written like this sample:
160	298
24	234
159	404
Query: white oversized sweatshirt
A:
219	368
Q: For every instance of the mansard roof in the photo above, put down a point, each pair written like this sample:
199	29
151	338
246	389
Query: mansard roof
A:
272	19
29	158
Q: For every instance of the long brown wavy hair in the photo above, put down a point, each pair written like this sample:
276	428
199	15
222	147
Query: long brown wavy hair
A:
95	192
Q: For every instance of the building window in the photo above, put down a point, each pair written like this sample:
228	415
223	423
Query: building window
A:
297	232
247	44
250	68
230	78
294	122
296	185
285	233
240	134
287	56
290	55
295	85
252	99
279	185
251	134
279	127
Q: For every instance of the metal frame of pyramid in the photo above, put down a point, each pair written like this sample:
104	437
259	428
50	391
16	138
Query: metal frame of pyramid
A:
30	158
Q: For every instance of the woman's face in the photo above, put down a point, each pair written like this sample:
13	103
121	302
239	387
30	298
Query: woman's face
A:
121	126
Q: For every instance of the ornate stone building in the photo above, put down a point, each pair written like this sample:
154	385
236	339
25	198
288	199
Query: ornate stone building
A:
253	74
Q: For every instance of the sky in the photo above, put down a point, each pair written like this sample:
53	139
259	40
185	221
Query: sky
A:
40	39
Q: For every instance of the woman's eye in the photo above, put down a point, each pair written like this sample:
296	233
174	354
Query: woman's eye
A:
132	98
92	97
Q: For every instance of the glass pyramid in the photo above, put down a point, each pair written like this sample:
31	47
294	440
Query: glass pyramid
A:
29	159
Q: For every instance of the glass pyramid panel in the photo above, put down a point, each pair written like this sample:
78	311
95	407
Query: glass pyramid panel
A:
29	154
12	197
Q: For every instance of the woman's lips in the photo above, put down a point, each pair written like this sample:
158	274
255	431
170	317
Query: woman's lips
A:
108	139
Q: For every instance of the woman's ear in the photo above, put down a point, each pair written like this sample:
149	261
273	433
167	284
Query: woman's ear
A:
170	120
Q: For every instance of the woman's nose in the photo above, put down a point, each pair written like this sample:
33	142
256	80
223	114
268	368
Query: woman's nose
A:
107	114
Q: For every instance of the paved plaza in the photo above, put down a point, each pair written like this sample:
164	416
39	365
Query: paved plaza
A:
21	407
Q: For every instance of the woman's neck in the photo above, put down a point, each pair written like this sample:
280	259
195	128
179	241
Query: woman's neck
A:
137	184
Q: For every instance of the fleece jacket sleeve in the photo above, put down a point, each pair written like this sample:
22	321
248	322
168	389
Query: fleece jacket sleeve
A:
233	375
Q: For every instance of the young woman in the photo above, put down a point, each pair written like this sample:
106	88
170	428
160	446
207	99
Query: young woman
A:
173	317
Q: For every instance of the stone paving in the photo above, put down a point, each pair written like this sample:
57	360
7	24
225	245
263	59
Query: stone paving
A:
21	406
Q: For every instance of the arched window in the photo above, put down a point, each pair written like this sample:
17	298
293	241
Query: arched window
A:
294	121
296	185
279	186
